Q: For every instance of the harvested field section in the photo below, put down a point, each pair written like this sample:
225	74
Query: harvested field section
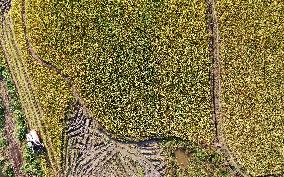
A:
142	67
252	52
89	152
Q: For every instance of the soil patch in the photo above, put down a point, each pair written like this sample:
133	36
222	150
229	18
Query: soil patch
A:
182	158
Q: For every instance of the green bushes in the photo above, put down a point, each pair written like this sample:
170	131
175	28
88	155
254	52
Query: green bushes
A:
32	166
21	125
4	164
2	116
3	142
14	104
6	168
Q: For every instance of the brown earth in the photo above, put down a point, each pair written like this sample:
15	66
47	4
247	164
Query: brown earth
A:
14	150
182	158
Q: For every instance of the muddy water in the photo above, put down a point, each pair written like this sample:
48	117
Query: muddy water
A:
182	158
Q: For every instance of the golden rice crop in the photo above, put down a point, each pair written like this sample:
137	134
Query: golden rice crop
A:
253	82
142	67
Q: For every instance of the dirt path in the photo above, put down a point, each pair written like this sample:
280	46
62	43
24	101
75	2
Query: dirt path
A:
214	47
14	148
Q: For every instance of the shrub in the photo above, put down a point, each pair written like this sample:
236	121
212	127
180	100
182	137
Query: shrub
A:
2	115
3	142
31	166
10	172
21	125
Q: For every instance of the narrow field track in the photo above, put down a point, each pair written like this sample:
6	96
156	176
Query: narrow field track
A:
214	46
14	149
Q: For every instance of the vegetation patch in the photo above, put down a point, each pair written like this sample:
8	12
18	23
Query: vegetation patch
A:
5	165
251	52
141	67
189	159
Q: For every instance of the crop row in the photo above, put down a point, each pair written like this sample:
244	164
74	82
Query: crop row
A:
253	82
141	67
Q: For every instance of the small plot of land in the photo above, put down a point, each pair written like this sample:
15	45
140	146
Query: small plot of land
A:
189	159
253	82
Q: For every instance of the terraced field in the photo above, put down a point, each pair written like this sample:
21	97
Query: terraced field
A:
108	82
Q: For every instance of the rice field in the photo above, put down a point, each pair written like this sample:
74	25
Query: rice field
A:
104	80
141	67
252	53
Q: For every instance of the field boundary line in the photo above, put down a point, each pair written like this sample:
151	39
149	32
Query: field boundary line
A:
216	89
